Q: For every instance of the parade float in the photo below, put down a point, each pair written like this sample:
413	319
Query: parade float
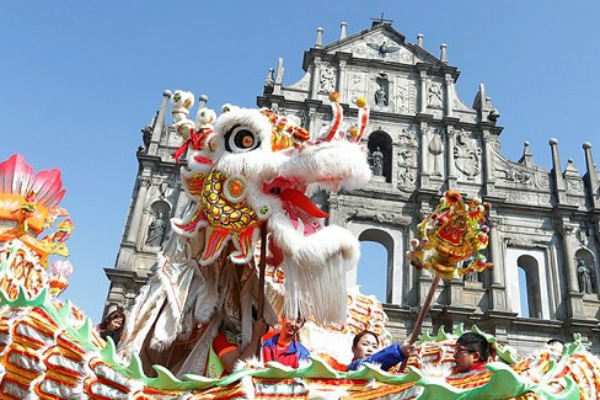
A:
251	244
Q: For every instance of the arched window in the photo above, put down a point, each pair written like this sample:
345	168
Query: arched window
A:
375	265
381	142
529	287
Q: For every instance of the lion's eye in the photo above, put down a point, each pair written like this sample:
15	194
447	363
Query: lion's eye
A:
241	139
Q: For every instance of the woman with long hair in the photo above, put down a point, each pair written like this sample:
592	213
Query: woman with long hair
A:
112	326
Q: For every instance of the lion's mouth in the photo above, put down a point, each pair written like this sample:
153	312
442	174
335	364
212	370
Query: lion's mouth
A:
304	214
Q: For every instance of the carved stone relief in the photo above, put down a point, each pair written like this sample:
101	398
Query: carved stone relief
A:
436	149
356	86
574	186
407	178
405	97
435	95
381	47
542	179
327	80
374	215
495	143
519	175
526	242
408	145
467	155
522	196
522	175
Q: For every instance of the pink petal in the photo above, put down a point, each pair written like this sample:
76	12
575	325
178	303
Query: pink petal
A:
23	175
54	200
51	188
7	171
47	185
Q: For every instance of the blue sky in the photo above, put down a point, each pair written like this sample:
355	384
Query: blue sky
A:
79	79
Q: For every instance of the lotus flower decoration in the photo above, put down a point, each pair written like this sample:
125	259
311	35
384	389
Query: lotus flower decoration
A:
29	205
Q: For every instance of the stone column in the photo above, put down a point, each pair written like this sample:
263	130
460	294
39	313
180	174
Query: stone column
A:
140	201
342	59
160	123
311	113
449	84
557	175
278	77
497	289
495	252
592	178
423	102
450	162
488	164
424	150
574	298
569	255
319	42
316	71
341	77
410	281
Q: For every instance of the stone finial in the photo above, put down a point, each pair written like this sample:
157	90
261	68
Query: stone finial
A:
420	41
556	167
527	157
444	53
269	81
279	72
319	43
571	168
343	26
592	175
167	93
202	100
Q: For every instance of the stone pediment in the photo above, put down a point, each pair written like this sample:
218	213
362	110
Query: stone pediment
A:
382	43
520	175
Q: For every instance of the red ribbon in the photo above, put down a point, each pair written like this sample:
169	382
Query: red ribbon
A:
195	140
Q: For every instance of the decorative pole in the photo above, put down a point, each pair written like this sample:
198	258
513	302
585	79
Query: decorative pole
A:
419	324
262	266
453	233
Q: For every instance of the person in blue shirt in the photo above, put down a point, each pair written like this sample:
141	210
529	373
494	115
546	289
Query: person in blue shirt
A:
365	348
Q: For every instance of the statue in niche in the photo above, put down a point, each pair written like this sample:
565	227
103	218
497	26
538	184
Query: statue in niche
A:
381	94
157	230
377	162
381	97
584	275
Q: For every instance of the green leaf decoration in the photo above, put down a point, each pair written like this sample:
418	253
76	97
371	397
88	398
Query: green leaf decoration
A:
109	353
441	335
459	330
504	382
135	369
320	369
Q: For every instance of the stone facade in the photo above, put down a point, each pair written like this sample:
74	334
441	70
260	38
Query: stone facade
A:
545	229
